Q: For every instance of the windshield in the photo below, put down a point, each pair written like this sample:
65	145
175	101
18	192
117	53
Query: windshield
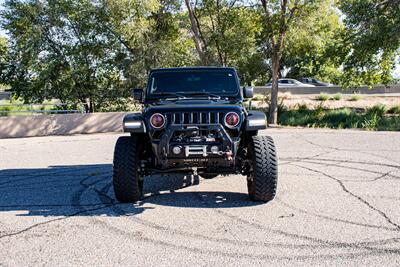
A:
193	82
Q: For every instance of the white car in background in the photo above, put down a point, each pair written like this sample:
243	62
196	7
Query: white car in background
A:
289	83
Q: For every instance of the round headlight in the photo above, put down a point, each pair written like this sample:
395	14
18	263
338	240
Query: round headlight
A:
232	119
157	120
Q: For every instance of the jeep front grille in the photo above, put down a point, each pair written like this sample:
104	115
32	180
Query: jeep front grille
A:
194	117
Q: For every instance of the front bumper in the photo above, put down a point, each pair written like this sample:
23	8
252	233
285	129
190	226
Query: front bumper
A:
195	154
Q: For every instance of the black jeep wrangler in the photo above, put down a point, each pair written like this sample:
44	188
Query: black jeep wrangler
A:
194	122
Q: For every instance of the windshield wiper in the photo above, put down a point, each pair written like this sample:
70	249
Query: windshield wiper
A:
214	96
170	95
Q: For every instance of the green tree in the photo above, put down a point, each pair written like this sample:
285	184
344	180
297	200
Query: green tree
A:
369	45
59	50
224	31
151	33
3	57
309	43
88	51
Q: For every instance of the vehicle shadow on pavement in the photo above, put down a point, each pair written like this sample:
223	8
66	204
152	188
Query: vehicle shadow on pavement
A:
86	190
154	185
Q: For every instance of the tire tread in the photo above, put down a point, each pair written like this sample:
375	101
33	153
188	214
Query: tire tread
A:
125	178
265	167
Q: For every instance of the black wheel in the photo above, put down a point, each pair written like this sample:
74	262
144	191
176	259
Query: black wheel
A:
128	184
263	177
208	175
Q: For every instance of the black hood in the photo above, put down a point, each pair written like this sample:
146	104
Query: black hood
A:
188	105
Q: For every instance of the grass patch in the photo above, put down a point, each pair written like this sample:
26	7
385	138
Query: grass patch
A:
354	98
258	97
322	97
373	118
337	96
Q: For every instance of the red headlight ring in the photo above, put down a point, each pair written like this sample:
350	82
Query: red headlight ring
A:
157	120
233	121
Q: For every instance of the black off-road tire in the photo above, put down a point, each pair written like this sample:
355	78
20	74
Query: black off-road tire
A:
127	182
263	178
209	175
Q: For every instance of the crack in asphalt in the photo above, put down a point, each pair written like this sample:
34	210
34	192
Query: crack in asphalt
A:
345	161
307	238
102	193
289	161
109	202
361	151
345	189
334	219
61	218
51	221
381	175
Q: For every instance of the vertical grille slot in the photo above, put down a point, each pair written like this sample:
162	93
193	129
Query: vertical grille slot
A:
191	117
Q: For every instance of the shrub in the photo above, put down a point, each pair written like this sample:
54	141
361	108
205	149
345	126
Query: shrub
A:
378	110
301	107
282	108
394	110
355	97
389	124
5	110
322	97
337	96
371	123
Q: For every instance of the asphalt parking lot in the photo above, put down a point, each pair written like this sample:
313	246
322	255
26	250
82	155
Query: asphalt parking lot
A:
338	203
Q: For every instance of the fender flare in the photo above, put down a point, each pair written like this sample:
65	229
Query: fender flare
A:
134	123
256	120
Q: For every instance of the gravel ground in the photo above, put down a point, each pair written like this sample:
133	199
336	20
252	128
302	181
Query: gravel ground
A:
338	203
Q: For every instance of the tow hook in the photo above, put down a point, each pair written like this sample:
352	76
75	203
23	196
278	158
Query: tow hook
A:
229	155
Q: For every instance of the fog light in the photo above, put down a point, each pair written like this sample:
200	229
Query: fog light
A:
214	149
177	150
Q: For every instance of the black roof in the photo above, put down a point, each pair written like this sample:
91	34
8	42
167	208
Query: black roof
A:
192	68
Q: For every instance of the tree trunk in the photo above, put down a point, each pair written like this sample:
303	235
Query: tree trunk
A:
88	105
198	41
273	107
91	106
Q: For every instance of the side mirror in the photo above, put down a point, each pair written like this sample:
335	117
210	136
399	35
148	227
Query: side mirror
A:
137	95
248	92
